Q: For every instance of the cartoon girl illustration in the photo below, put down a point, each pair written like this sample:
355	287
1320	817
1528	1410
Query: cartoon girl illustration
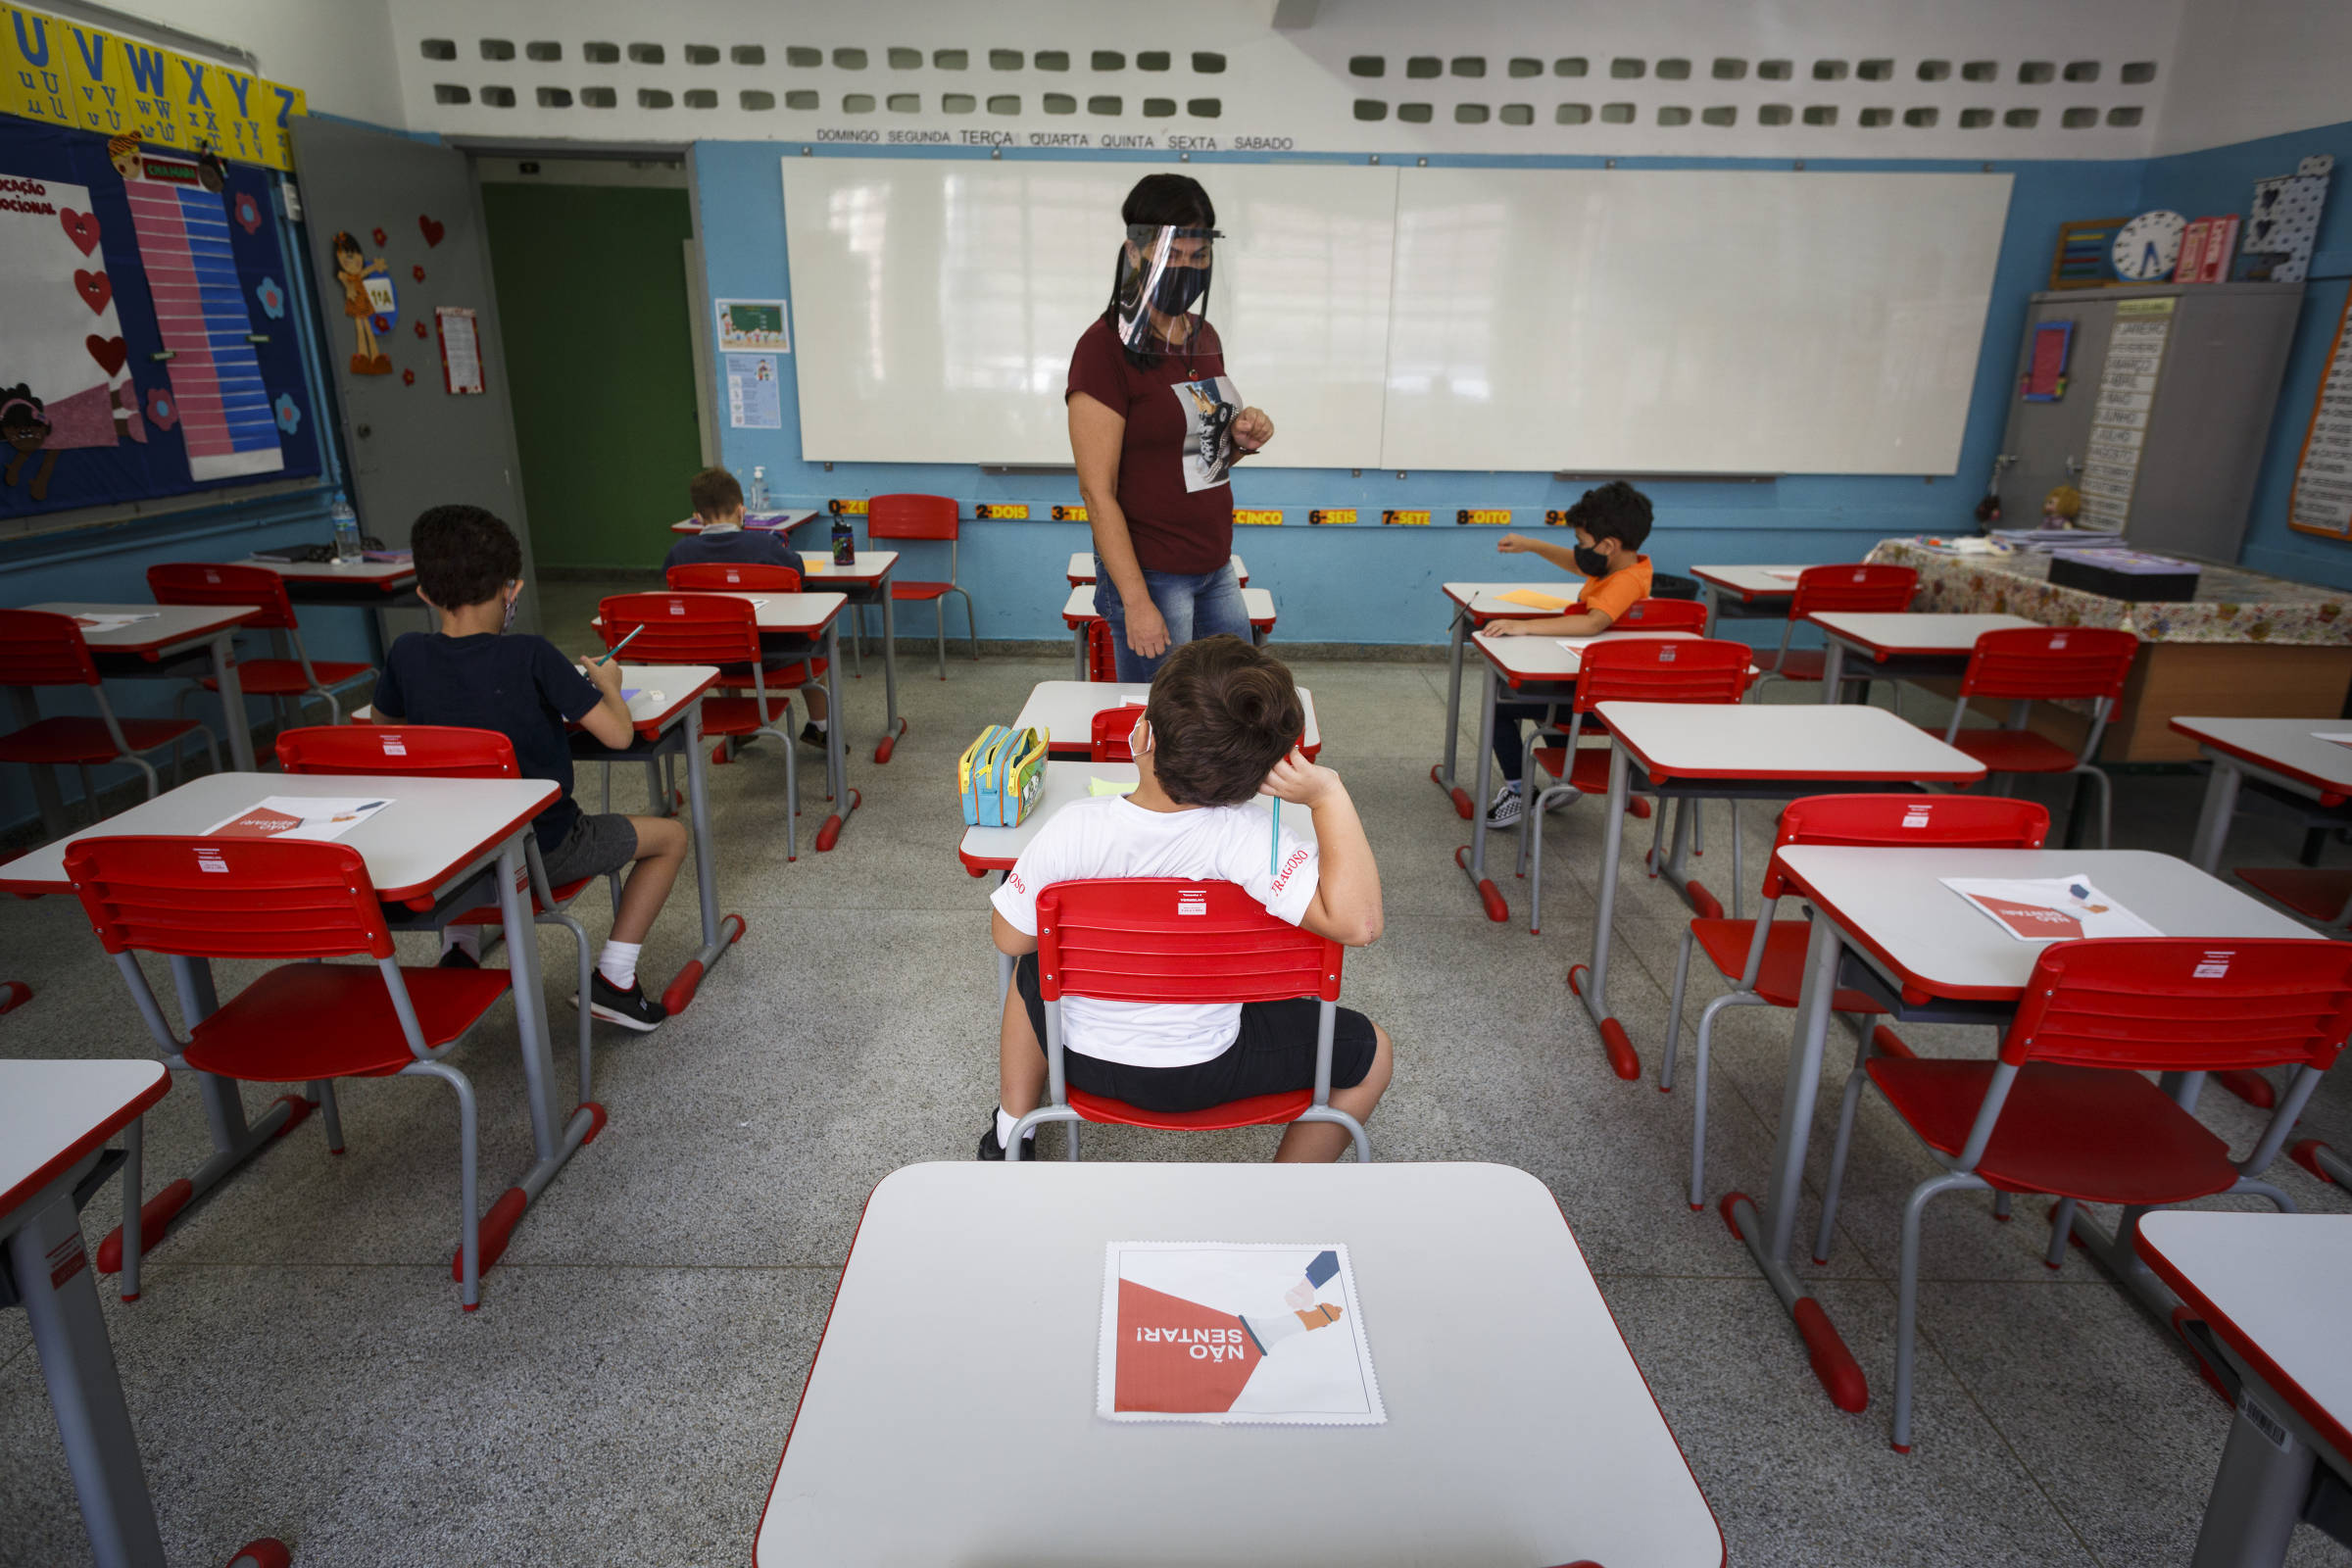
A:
123	152
353	270
211	172
24	429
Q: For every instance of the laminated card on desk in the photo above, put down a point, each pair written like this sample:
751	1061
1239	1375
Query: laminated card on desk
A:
1260	1333
1534	599
313	817
2055	909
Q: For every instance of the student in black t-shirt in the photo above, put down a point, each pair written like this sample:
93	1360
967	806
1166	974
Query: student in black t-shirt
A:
468	673
718	506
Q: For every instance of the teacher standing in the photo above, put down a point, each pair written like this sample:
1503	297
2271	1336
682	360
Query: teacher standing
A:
1155	427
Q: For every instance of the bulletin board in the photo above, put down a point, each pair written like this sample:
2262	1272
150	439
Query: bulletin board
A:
147	324
2322	502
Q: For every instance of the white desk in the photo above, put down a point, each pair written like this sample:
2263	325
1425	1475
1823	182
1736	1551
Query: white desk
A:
866	581
2270	1289
1745	593
753	523
372	587
1078	612
1066	711
426	855
1082	569
1925	952
2285	753
1893	645
1519	1437
1474	605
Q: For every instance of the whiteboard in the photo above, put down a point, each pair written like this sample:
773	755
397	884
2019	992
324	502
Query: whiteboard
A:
937	302
1688	320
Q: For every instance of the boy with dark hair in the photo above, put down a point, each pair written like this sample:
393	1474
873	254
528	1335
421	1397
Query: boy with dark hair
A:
1220	730
469	569
1611	522
718	506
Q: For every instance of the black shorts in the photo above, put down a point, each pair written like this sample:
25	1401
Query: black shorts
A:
594	845
1274	1054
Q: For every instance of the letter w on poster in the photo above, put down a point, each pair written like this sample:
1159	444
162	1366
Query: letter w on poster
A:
1255	1332
316	817
2052	909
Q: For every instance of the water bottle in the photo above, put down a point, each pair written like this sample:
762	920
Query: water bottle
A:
844	542
347	529
758	500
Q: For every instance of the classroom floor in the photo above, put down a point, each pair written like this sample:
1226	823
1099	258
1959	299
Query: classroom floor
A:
299	1366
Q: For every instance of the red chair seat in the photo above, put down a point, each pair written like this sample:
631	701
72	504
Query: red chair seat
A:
1258	1110
334	1021
2098	1135
489	914
800	673
740	716
919	590
1781	978
1799	663
2315	893
283	677
2015	750
1590	772
85	740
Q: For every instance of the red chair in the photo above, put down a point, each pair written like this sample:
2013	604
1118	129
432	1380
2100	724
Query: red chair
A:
1764	959
919	517
1101	657
1663	614
1637	670
1855	589
449	751
1161	939
1112	727
722	629
727	578
2025	664
40	649
281	680
303	1022
2065	1110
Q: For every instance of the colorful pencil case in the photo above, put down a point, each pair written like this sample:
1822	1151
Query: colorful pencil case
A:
1001	774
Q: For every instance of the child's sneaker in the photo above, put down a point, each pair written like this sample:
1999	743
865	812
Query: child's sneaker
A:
810	735
992	1149
1506	809
631	1008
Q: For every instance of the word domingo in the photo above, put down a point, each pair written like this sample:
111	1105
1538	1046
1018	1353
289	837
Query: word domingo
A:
1203	1344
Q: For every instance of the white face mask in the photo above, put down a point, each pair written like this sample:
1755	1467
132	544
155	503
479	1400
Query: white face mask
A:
1138	736
513	599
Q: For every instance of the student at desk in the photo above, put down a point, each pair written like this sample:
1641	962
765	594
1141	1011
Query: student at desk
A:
1611	521
1219	727
717	501
470	674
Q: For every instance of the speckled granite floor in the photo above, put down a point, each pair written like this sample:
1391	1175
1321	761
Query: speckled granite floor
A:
299	1366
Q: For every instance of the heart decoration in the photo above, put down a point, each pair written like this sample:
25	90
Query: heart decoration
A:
431	230
417	273
379	236
81	227
108	352
408	378
97	290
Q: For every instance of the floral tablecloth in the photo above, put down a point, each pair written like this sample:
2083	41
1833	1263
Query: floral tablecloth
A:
2232	606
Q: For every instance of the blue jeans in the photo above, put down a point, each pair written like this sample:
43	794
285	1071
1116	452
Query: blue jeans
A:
1205	604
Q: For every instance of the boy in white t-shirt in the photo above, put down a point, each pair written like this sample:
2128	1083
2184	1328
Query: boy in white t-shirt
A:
1219	728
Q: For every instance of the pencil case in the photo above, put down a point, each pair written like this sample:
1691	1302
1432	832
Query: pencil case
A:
1001	774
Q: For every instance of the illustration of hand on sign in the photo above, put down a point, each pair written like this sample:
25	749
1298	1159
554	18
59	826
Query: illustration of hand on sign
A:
1179	1357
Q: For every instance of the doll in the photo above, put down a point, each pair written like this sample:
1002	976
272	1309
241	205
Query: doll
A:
2061	507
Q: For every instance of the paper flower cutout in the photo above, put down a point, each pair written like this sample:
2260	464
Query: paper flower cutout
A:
248	210
162	412
272	297
420	329
289	418
408	378
379	236
417	273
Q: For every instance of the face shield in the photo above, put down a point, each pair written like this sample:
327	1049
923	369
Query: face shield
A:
1163	274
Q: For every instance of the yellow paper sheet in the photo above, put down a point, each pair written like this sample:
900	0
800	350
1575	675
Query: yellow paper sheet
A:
1534	599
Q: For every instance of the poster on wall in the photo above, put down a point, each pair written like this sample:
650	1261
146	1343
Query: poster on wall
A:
70	73
460	349
64	388
751	326
755	392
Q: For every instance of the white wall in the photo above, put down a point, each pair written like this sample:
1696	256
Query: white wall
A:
337	51
2248	68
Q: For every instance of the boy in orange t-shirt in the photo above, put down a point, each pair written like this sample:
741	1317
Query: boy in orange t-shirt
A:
1611	521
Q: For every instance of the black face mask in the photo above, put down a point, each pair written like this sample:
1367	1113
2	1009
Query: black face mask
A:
1592	562
1179	287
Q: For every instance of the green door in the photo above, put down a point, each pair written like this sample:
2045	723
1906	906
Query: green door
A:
592	299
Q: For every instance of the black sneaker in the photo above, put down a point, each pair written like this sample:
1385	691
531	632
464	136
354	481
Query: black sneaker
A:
631	1008
990	1148
810	735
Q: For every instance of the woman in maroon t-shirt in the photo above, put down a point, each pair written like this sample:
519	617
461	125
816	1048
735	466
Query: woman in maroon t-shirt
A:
1155	427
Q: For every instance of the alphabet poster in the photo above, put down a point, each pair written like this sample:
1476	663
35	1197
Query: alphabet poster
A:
1239	1333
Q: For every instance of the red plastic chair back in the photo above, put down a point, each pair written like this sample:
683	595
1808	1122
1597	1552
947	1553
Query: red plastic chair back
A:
1663	669
727	577
438	750
682	628
42	649
1907	822
1161	939
1663	614
2186	1004
1102	659
201	582
910	517
1112	727
268	899
1855	589
2041	663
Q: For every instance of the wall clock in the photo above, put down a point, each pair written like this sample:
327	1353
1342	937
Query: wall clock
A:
2148	247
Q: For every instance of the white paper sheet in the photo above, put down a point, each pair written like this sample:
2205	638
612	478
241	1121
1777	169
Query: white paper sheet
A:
111	622
2053	909
316	817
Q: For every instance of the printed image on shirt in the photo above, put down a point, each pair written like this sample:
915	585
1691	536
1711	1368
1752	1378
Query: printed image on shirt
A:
1210	405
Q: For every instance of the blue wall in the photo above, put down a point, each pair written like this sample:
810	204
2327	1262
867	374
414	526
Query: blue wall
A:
2220	180
1369	584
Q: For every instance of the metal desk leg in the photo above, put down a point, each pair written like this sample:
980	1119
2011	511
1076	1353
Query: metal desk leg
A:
719	932
2213	818
47	1263
1768	1234
26	709
1707	596
1078	671
1595	991
2258	1494
1676	869
1442	773
233	704
892	725
1833	667
837	766
1476	864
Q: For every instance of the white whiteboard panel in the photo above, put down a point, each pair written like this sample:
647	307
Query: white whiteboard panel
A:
1688	320
937	302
